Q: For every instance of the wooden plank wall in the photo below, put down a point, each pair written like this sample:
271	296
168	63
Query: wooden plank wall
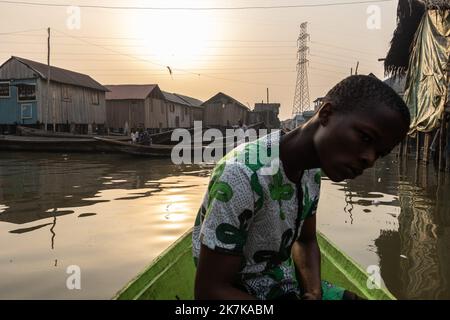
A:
224	115
78	109
118	112
14	69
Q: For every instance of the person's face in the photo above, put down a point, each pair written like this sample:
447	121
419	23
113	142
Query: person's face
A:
349	143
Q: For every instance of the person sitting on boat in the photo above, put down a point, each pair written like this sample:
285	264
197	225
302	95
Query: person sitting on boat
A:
145	138
134	136
253	238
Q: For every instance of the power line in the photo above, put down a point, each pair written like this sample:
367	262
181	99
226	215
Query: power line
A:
178	69
331	4
342	48
147	46
145	39
22	31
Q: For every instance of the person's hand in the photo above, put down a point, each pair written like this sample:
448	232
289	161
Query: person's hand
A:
311	296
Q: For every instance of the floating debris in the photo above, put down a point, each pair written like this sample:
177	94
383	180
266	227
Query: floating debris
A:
403	256
379	179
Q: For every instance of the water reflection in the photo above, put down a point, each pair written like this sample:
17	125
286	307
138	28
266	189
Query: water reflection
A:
396	216
424	233
111	215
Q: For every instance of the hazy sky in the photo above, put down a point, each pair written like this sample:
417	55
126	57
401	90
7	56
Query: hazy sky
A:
238	52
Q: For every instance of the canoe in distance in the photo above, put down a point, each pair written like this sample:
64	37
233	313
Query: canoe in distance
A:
42	144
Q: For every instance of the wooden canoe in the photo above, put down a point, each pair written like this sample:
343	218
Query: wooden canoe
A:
43	144
31	132
154	150
171	275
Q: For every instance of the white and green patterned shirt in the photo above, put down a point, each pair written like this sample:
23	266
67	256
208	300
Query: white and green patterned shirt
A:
252	211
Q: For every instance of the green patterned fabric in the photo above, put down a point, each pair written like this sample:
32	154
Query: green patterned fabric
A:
251	209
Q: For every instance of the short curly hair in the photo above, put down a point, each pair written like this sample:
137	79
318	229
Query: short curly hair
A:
356	91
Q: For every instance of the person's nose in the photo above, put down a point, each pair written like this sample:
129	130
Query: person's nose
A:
368	158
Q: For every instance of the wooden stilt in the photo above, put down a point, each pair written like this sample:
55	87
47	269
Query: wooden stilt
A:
426	147
405	150
442	143
417	147
446	159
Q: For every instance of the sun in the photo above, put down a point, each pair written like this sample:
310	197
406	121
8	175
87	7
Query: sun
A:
179	39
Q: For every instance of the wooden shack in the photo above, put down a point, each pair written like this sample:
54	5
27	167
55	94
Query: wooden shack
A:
136	106
72	100
196	106
223	111
179	112
266	113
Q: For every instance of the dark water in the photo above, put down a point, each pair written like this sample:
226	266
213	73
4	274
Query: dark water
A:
108	215
112	215
396	216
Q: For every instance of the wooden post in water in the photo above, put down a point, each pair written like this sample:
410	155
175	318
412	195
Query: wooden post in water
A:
48	80
442	144
417	147
446	149
426	147
405	150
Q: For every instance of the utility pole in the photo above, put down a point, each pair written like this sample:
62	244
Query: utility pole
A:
356	70
267	95
301	98
48	80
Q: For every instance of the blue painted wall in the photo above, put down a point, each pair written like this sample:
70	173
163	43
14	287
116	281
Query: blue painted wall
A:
11	108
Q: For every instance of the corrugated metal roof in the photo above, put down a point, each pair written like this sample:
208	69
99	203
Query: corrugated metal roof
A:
62	75
129	91
192	101
174	98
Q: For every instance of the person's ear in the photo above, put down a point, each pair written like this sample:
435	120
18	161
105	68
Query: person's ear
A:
325	112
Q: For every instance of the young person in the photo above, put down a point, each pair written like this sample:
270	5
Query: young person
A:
255	233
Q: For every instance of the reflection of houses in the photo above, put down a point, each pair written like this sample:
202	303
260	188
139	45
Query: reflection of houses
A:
45	184
136	106
424	237
267	113
420	52
223	111
415	260
72	98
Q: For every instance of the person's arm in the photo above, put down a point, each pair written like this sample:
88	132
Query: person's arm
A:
220	242
306	256
216	274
